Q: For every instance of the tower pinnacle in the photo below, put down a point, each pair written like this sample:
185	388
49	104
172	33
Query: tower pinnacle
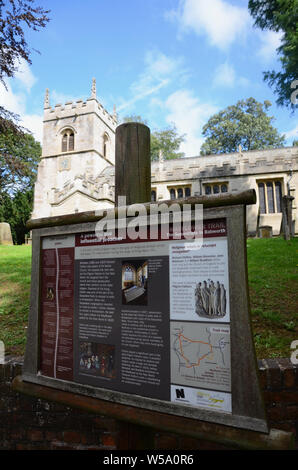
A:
93	88
46	99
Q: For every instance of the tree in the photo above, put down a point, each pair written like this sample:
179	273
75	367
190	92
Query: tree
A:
135	118
245	124
16	211
280	16
19	157
15	17
166	140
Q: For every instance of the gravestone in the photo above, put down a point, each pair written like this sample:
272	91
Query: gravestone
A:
5	234
265	231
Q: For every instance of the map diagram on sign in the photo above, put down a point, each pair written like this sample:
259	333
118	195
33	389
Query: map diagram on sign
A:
200	355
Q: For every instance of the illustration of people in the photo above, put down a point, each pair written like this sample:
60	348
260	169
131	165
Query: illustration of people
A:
217	305
210	299
198	298
205	297
223	300
212	290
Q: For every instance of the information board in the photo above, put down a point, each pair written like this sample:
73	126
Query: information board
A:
145	317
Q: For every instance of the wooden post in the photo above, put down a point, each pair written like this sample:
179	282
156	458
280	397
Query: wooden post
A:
132	163
287	224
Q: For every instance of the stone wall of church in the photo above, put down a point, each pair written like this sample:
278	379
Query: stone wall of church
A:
239	172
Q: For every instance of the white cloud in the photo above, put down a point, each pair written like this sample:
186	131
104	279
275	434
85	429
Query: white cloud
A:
222	22
160	70
292	134
25	75
17	102
189	116
270	41
225	76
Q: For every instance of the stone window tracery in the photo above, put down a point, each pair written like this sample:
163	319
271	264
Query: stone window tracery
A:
270	194
67	140
216	188
180	192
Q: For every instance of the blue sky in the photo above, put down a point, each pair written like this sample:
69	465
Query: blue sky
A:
170	61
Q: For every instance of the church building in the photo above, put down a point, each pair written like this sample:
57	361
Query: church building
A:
76	171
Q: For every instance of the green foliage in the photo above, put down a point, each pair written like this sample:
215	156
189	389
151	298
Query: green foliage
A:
245	124
16	211
295	143
166	140
19	157
135	118
280	16
16	18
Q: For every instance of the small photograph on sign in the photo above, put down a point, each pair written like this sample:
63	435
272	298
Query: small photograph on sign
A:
134	282
97	359
211	299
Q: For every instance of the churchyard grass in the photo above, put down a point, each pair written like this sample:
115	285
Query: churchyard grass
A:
272	270
15	279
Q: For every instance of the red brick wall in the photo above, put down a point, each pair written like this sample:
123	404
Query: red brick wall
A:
29	423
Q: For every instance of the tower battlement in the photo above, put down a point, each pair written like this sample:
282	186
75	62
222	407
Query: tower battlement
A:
91	126
75	108
72	108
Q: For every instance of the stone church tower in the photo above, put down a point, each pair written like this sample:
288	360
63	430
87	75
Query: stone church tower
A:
76	170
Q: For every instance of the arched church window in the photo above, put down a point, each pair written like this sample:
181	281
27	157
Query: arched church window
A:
180	192
67	141
64	143
106	143
71	141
